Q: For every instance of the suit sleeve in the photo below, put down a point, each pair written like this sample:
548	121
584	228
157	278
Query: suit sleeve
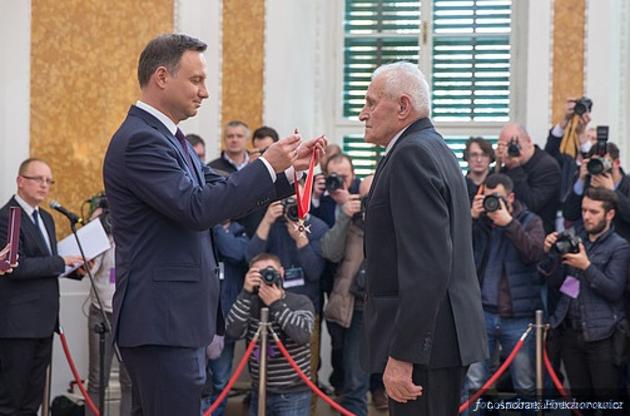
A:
424	250
156	177
30	267
539	188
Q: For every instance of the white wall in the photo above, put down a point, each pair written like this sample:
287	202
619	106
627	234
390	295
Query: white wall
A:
15	45
202	19
539	62
606	70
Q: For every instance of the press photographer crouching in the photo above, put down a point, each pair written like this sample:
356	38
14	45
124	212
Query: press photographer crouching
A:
292	318
589	319
601	169
508	243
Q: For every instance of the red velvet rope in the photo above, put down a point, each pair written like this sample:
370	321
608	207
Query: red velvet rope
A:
497	374
307	380
75	373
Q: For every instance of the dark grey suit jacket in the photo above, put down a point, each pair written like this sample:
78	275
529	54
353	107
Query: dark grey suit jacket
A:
167	291
423	298
29	296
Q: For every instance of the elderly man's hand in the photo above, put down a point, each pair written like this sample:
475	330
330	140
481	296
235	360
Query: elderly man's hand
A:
398	382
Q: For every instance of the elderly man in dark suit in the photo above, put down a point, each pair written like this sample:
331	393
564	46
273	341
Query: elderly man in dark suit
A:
423	316
29	296
163	203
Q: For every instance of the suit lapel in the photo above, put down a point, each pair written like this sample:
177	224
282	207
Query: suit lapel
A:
170	138
31	233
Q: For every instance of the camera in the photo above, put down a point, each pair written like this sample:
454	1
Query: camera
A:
567	242
100	201
582	105
598	163
333	182
270	277
359	218
514	147
290	208
492	203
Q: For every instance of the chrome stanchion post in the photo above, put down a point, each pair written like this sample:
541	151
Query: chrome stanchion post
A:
262	362
46	399
540	326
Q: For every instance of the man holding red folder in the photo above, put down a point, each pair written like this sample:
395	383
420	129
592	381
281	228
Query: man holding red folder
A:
29	295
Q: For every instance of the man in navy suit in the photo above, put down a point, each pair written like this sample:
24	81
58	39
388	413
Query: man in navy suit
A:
29	296
163	203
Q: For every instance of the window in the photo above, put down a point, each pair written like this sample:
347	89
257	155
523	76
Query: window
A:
462	46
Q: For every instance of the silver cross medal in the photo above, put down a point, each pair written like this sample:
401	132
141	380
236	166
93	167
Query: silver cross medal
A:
302	228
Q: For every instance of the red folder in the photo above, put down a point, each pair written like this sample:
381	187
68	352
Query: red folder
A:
13	238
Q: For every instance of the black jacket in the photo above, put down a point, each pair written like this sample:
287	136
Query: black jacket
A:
601	295
537	185
572	207
423	301
29	296
568	167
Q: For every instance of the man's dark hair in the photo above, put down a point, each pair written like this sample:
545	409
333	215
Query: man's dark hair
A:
338	158
165	50
611	149
264	131
485	146
265	256
609	198
496	179
24	165
195	139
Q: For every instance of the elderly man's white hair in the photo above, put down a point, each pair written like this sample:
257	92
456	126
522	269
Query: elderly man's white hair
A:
406	78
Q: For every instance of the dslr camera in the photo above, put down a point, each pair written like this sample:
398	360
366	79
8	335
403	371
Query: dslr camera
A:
359	218
100	201
270	277
492	203
582	105
333	182
567	242
598	164
514	147
290	209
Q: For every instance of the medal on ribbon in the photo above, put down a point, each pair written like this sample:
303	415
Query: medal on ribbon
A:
304	199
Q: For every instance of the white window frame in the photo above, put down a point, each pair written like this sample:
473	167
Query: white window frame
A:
343	126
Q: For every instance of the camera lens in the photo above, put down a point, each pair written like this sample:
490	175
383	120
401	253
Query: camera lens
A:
491	203
333	182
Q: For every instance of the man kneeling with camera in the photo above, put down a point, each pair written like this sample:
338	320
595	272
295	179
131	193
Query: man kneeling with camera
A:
508	243
589	270
291	317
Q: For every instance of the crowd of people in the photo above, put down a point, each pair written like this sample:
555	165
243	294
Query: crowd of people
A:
549	231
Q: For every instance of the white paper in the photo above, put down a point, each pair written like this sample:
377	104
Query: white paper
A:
93	240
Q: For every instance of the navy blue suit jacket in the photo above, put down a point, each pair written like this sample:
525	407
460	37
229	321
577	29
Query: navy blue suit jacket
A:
167	290
29	297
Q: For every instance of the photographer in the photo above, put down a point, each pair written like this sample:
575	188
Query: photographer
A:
104	273
612	178
508	243
292	318
590	275
343	244
299	253
479	154
331	191
535	174
569	140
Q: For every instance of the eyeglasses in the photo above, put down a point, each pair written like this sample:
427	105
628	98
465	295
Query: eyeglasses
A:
40	180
